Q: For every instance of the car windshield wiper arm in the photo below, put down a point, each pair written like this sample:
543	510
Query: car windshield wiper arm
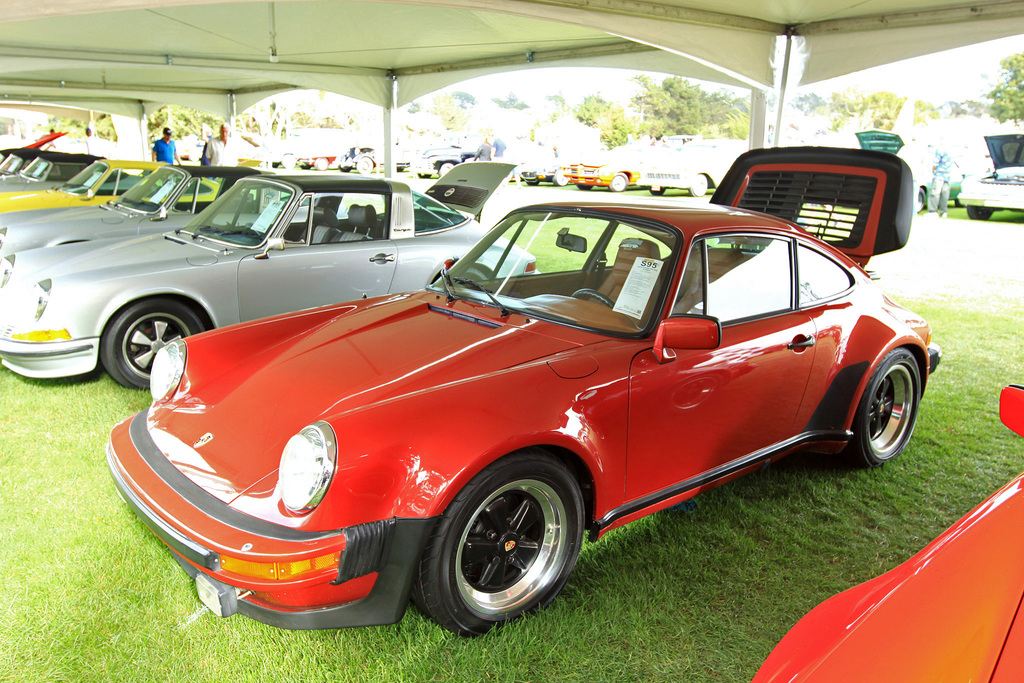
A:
446	282
480	288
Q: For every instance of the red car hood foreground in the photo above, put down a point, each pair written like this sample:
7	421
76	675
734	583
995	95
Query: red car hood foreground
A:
249	391
950	613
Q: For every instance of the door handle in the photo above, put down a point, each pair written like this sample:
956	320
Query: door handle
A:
802	342
382	258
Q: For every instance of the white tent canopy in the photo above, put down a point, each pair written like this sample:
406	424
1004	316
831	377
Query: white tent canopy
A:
133	56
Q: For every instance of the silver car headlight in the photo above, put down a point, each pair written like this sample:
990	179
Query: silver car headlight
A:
6	268
307	466
41	292
167	369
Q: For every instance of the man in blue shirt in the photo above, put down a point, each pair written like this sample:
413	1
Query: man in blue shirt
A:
164	150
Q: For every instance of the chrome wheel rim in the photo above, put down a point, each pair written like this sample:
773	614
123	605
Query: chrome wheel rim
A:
146	336
512	549
890	414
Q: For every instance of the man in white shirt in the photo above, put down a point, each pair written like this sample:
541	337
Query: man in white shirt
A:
220	150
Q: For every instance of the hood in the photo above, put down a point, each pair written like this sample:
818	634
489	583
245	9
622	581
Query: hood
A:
289	371
467	187
148	254
1006	150
74	214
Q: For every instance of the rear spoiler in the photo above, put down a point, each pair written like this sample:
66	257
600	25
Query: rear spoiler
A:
859	201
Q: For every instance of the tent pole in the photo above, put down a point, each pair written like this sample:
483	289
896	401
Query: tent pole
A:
390	163
144	130
758	117
781	103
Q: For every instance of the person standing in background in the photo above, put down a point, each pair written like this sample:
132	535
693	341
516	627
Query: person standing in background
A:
220	150
938	193
165	150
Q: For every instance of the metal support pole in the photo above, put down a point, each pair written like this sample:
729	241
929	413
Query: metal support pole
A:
784	81
390	163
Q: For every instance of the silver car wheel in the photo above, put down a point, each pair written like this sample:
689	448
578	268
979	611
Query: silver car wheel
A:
147	336
891	408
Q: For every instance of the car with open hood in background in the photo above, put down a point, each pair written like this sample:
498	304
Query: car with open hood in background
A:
268	245
165	199
952	612
1003	188
315	469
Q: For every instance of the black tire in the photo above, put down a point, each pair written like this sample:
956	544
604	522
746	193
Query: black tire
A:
888	410
136	334
979	213
657	193
585	187
505	546
532	182
921	202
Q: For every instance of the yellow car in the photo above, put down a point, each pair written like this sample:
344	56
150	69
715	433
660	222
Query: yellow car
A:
97	183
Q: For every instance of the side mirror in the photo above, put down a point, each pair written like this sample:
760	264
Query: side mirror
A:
1011	408
89	195
273	244
161	214
686	332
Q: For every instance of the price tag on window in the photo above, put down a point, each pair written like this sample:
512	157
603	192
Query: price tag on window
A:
267	217
638	287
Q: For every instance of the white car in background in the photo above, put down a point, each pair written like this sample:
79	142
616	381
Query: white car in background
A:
698	166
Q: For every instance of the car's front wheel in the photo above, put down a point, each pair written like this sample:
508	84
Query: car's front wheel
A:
619	182
979	213
365	166
888	410
444	168
132	339
505	546
560	180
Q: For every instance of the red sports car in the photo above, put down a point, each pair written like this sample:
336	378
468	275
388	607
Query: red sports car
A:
314	470
950	613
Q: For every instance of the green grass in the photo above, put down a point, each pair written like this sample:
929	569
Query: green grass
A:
88	594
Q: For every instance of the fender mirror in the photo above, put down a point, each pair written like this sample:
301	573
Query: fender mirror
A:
686	332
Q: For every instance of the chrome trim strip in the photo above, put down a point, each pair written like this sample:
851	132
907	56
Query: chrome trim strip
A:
47	354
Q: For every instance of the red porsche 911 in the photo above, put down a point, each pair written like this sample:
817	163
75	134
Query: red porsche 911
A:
453	445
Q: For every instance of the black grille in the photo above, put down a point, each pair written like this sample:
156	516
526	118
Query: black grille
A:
458	194
833	207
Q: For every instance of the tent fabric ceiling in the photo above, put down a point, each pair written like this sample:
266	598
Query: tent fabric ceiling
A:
141	54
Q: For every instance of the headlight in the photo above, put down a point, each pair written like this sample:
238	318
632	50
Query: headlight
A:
6	268
307	465
168	367
41	291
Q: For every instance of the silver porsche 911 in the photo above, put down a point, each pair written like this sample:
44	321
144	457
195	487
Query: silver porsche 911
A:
270	244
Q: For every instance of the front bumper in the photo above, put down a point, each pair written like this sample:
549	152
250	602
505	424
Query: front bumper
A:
51	358
934	356
383	554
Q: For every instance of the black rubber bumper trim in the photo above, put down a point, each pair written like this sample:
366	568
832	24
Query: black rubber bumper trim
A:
385	604
934	356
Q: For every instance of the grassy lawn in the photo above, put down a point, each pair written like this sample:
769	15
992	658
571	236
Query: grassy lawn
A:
88	594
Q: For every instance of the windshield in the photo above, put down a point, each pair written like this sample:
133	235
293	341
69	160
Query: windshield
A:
589	269
37	169
86	179
244	215
11	164
149	194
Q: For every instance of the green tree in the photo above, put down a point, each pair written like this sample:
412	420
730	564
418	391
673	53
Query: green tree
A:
874	110
464	99
102	126
811	104
510	102
452	115
676	106
1008	95
607	117
182	120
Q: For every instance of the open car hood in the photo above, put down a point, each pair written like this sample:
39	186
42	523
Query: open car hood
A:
1006	150
468	186
859	201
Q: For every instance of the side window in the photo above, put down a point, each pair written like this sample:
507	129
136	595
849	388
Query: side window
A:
690	299
187	199
430	215
296	230
119	181
747	276
349	218
820	276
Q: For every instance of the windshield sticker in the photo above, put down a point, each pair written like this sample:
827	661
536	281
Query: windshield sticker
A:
160	195
267	217
638	287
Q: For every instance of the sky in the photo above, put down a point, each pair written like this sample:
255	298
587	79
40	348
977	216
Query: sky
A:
961	74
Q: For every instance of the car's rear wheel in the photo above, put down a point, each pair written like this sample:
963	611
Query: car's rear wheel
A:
132	339
922	200
888	410
321	163
505	546
699	186
619	182
445	167
979	213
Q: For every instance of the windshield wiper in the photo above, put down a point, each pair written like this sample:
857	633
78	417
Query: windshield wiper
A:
446	282
480	288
